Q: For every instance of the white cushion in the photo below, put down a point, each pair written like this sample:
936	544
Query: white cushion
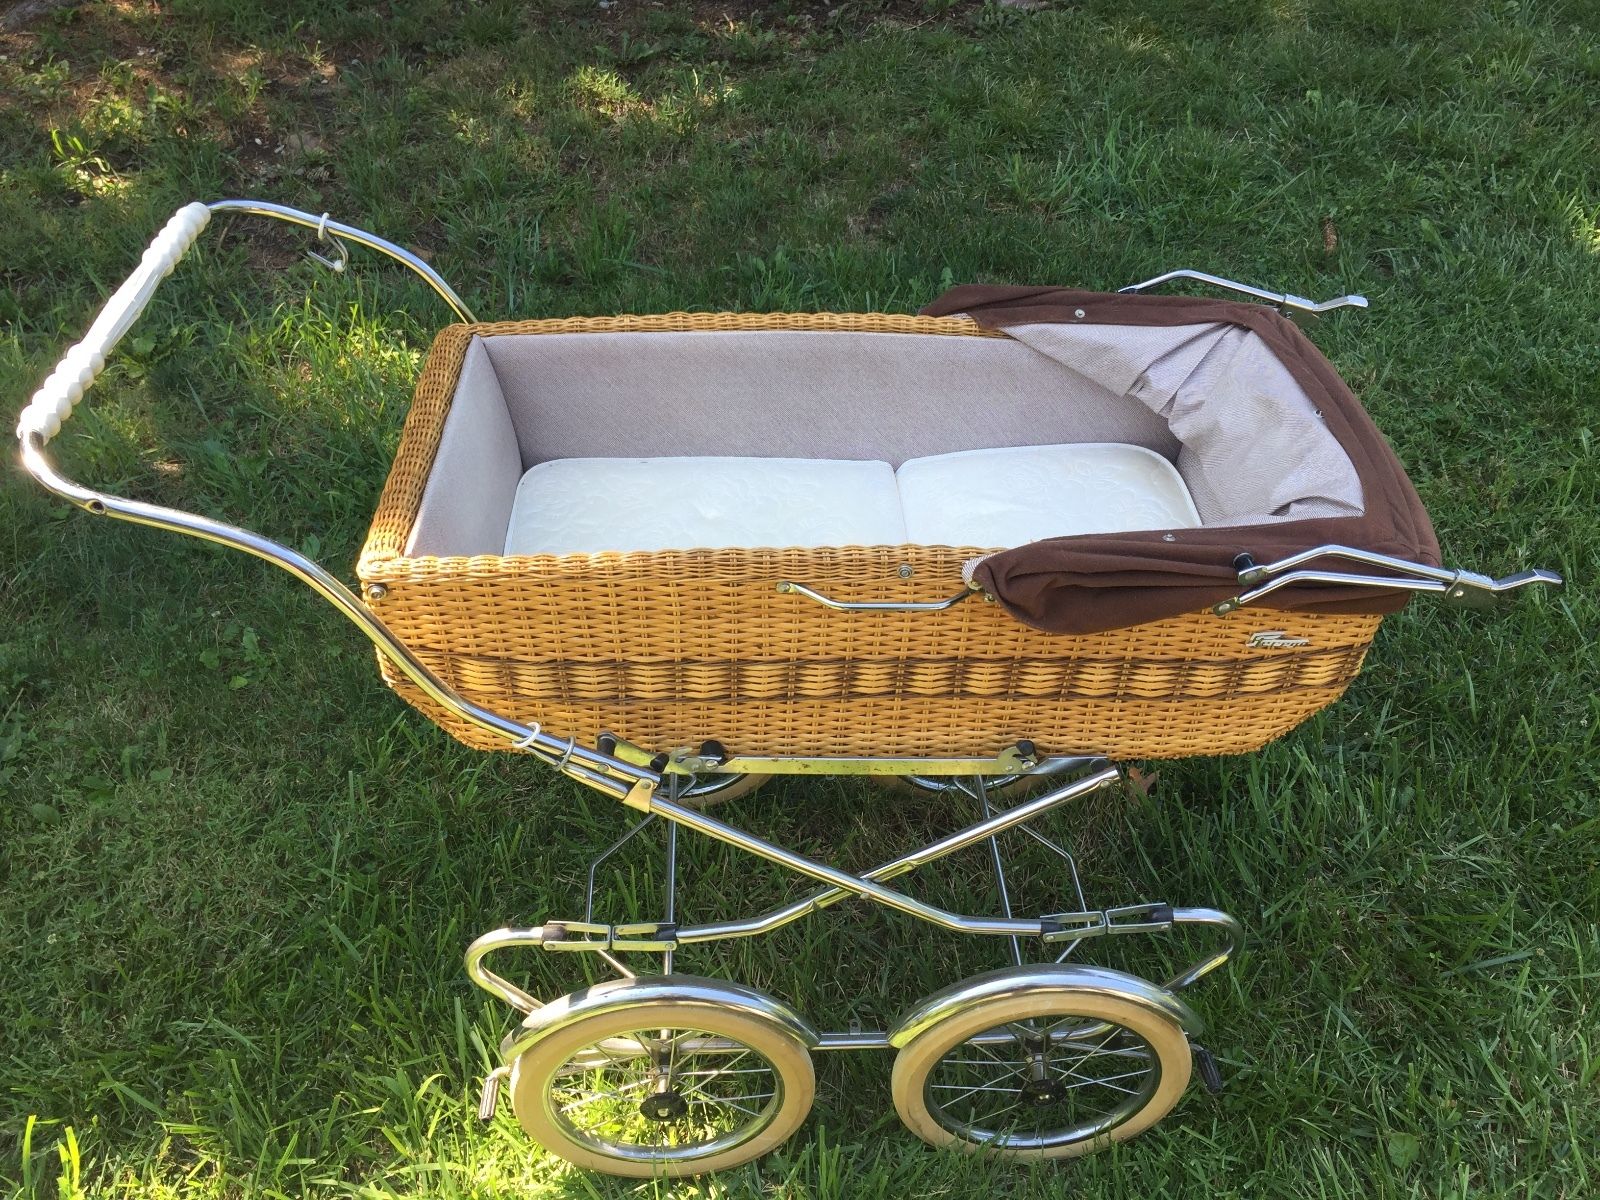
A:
997	499
583	505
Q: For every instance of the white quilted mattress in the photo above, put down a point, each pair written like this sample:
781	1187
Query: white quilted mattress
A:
997	499
991	499
583	505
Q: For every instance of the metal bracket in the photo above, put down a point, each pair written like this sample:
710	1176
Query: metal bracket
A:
1462	589
341	252
1020	758
1286	301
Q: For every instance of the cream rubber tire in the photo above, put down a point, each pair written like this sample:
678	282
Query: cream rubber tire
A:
537	1068
918	1059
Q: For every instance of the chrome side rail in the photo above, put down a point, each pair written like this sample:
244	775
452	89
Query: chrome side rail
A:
1287	301
1462	589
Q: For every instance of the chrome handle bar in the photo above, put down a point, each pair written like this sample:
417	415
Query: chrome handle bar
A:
77	372
334	231
799	589
1284	300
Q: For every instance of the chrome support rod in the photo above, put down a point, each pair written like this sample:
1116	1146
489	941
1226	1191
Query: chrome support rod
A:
672	891
843	885
610	775
1077	884
1255	573
999	868
599	860
1464	589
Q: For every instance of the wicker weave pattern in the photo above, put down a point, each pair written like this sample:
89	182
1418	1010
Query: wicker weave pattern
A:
1122	729
669	649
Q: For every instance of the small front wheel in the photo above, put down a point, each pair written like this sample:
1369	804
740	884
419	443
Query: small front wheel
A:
1042	1074
663	1088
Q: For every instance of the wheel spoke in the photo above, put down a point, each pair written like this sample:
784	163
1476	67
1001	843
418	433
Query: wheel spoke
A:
1003	1111
1104	1079
977	1087
1079	1061
1011	1068
716	1093
725	1101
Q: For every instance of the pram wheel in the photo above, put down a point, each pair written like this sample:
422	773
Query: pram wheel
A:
1042	1072
663	1087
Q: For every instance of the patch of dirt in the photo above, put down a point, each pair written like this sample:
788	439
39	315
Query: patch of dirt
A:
18	16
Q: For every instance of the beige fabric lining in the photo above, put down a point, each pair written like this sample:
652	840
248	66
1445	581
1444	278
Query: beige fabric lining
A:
467	504
800	395
1212	397
1254	448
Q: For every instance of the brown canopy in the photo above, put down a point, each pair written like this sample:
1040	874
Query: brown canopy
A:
1095	582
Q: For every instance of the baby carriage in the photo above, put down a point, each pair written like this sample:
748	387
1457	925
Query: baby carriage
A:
980	553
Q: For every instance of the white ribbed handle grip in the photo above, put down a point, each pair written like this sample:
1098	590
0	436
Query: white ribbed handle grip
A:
80	366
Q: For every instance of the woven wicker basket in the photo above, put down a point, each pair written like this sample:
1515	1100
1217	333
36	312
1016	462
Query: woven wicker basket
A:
673	648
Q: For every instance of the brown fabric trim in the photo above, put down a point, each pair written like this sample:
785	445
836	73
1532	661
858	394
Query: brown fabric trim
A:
1097	582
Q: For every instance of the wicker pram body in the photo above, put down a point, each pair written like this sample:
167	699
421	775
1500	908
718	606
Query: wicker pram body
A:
668	649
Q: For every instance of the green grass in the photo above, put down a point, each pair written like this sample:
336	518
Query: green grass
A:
236	875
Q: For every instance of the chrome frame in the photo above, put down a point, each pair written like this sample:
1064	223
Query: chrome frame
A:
1045	932
631	784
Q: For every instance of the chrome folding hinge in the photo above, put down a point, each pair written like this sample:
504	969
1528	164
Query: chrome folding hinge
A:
1154	917
654	936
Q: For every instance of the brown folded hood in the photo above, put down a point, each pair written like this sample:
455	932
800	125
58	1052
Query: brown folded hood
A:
1095	582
